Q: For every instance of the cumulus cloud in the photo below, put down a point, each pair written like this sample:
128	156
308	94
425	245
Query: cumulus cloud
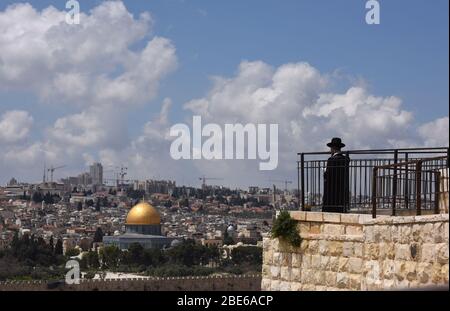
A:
299	99
87	64
15	125
435	133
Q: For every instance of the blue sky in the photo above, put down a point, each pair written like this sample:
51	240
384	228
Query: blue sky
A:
405	56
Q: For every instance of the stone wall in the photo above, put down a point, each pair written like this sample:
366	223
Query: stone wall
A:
356	252
207	283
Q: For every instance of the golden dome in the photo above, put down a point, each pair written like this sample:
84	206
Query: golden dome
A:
143	214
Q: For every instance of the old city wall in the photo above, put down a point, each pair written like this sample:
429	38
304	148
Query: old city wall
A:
356	252
223	283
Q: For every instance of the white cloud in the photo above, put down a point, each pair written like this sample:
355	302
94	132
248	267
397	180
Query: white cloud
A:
88	64
435	133
15	126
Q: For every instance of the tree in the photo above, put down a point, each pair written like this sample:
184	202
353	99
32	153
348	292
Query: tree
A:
98	236
136	252
72	252
109	256
37	197
59	247
227	239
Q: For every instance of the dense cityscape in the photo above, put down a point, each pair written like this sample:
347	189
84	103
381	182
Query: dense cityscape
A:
71	217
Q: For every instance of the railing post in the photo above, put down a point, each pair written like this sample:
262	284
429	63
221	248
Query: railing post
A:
302	179
394	184
298	185
406	182
437	189
374	192
419	188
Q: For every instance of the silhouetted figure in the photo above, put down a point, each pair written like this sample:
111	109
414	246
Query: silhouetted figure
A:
336	193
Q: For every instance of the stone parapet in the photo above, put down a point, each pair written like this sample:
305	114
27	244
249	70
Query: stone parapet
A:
357	252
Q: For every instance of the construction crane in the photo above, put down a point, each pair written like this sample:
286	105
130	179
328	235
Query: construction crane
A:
204	179
286	182
52	169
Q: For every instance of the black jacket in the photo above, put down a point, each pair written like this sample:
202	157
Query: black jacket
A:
336	190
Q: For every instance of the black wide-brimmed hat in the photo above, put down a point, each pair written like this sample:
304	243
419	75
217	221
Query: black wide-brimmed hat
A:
336	142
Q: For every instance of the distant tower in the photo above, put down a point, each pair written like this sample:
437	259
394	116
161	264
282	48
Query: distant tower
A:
96	172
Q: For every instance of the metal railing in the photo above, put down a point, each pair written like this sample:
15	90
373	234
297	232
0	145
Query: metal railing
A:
416	184
354	185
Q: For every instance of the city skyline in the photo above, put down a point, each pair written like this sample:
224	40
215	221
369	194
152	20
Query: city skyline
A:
108	90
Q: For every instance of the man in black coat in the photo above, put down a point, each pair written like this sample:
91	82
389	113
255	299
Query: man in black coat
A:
336	193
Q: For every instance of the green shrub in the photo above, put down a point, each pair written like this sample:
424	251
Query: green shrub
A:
285	228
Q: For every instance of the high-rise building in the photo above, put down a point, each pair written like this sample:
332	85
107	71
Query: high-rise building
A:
96	172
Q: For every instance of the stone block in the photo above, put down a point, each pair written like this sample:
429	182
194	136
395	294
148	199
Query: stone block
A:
306	261
388	284
446	233
275	285
315	261
428	233
424	272
402	252
313	247
342	280
347	249
342	264
335	248
350	218
275	272
286	259
265	284
285	273
406	234
371	251
304	246
304	228
437	277
438	235
323	247
295	274
324	263
333	229
298	215
444	273
358	249
410	270
355	281
307	276
355	265
266	271
415	233
364	218
442	253
296	260
296	286
315	229
276	259
332	217
319	277
372	270
369	233
388	269
314	216
353	230
428	253
330	278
